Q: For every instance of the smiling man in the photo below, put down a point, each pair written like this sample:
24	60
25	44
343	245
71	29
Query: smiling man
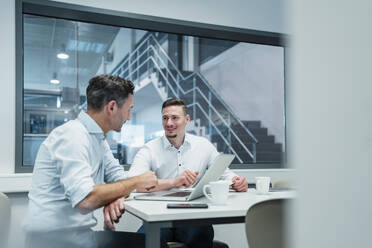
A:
76	173
180	159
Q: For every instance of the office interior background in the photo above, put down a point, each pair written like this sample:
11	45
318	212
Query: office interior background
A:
234	90
327	99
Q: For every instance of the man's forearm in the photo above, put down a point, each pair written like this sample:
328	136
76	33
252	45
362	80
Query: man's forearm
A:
106	193
164	184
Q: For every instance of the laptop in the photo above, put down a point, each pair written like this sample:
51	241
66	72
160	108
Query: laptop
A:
213	173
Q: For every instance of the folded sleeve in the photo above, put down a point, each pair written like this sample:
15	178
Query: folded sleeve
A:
72	160
228	175
113	170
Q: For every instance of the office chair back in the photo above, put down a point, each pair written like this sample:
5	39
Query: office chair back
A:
4	219
264	224
216	244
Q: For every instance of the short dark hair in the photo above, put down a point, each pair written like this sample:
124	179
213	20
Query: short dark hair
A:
174	102
105	88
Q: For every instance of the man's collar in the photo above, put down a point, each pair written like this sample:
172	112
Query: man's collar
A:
90	124
167	144
187	140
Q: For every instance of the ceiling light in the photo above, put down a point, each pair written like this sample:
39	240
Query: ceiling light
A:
62	53
63	56
54	80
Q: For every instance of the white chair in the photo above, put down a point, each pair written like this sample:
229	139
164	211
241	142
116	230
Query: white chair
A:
264	224
4	219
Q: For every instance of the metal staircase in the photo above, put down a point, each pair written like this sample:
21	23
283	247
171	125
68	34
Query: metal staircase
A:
210	115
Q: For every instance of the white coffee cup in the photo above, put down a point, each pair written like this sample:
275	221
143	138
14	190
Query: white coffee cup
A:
262	185
219	192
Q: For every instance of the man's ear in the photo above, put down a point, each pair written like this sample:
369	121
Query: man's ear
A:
187	118
111	106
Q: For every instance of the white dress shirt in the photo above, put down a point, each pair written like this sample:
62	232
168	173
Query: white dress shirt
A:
71	161
159	155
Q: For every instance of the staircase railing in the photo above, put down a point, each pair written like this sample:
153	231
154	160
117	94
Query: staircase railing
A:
149	57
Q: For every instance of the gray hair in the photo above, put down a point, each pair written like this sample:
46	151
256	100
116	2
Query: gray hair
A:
105	88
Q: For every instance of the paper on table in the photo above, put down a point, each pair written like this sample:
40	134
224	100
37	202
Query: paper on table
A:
186	189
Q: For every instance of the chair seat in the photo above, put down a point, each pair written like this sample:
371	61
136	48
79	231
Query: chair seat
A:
216	244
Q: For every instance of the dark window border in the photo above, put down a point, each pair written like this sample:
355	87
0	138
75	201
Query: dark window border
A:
128	20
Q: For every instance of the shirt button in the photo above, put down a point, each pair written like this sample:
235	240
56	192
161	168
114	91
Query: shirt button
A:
179	165
179	151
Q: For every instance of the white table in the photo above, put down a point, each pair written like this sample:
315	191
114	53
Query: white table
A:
155	214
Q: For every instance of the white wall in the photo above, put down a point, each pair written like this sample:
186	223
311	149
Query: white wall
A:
151	116
7	93
250	79
329	123
256	14
267	15
119	47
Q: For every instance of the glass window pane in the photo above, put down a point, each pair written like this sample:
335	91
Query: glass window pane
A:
60	56
234	91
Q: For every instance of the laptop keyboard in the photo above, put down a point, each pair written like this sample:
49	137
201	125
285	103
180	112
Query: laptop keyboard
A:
179	194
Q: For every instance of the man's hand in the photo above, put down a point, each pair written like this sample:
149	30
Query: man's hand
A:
112	213
186	179
240	184
147	181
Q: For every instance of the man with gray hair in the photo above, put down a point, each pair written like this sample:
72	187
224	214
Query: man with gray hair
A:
76	173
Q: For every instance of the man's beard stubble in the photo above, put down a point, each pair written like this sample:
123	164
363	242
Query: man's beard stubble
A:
171	136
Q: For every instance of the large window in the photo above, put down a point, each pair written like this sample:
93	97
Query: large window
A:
231	80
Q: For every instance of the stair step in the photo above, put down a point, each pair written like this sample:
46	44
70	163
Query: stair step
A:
174	72
247	139
265	138
261	157
252	124
254	131
260	147
236	161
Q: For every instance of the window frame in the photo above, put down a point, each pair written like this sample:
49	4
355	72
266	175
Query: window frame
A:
129	20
